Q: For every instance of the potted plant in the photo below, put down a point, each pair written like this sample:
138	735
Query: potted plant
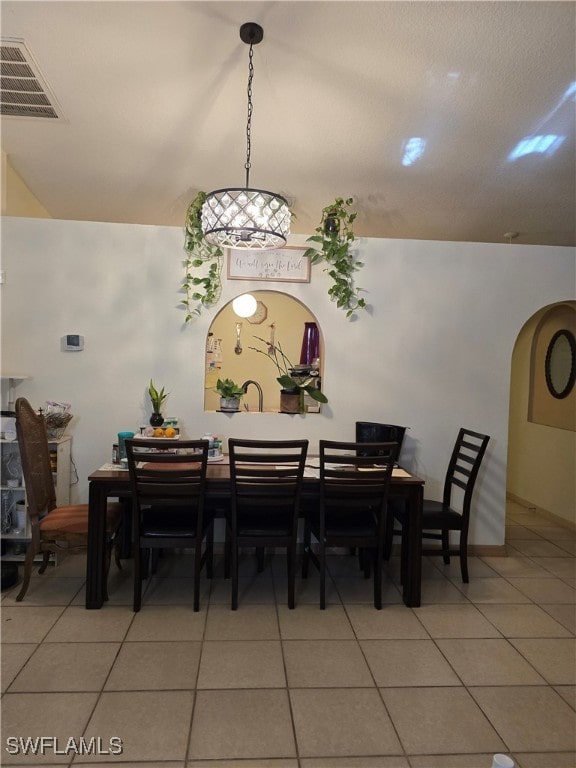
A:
157	397
230	394
334	238
294	382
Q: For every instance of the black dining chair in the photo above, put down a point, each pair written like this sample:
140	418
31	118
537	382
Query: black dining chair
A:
266	478
168	480
374	432
352	509
439	518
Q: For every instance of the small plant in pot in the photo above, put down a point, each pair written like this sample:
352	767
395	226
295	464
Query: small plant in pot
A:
294	386
294	381
333	246
230	394
157	397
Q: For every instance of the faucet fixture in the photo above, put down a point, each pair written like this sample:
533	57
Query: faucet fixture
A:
260	393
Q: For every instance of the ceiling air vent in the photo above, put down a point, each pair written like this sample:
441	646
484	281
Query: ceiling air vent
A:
24	90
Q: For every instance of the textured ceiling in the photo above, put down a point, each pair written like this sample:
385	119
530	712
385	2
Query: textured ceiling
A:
418	110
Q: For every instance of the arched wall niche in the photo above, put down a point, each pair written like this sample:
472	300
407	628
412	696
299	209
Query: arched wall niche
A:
541	457
281	322
543	407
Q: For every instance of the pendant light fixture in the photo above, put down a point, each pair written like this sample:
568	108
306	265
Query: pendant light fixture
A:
253	219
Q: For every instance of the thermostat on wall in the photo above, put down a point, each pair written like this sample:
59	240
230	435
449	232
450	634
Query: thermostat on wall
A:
72	343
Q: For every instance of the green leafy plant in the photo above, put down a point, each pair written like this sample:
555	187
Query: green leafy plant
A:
287	379
333	242
229	389
157	397
202	288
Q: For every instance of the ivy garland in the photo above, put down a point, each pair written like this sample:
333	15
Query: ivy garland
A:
201	291
335	235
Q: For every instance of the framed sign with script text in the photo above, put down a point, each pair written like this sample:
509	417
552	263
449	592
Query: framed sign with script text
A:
286	264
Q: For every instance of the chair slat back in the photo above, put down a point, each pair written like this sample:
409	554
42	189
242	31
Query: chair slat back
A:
266	474
35	459
167	473
464	466
351	479
373	432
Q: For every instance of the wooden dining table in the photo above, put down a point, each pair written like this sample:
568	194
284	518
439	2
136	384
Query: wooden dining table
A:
113	482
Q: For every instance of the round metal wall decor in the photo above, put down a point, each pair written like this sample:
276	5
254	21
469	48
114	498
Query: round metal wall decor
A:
560	365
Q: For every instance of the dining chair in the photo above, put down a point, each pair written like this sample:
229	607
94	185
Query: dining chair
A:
168	481
53	529
266	478
374	432
354	482
453	512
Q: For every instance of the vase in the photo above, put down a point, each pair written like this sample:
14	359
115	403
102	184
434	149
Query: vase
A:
310	344
156	420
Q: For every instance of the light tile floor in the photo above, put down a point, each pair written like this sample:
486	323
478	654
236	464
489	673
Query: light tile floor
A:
479	668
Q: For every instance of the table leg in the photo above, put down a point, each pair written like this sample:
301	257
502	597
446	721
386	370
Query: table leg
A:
411	588
95	562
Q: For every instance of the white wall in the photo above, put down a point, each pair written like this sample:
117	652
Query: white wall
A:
433	354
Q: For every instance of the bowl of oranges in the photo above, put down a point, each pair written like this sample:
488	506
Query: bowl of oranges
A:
165	432
160	432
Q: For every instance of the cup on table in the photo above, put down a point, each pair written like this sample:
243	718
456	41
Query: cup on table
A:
502	761
122	437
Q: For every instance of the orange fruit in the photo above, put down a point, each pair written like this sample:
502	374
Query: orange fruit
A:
158	432
169	432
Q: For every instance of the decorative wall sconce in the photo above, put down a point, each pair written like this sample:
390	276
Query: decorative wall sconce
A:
271	343
238	347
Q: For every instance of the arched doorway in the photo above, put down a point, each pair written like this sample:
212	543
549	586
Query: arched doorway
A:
541	435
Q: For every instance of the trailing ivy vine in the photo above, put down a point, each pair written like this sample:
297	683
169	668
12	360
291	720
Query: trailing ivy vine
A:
334	236
332	244
202	288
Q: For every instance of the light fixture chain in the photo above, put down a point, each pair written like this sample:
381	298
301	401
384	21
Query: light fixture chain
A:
249	119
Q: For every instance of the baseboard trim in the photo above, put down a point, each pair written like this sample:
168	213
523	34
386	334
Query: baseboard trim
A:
487	550
474	550
556	519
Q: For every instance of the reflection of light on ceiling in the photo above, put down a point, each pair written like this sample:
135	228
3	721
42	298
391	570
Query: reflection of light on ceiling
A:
542	145
413	150
541	141
570	91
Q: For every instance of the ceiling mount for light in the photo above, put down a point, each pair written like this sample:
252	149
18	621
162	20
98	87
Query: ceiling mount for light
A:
241	217
251	33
